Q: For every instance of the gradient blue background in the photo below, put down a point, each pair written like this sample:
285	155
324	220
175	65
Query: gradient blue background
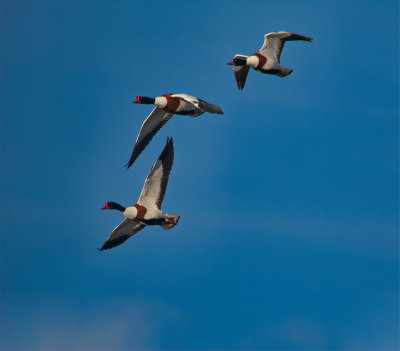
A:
288	238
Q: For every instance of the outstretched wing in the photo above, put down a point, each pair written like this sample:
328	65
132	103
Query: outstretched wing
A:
156	182
275	41
241	72
122	233
150	127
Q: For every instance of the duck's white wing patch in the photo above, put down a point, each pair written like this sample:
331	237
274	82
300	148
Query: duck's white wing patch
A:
203	105
188	105
241	73
187	97
156	182
150	127
122	233
275	41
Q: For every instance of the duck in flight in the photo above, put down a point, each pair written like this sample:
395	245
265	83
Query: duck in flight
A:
147	210
267	60
166	106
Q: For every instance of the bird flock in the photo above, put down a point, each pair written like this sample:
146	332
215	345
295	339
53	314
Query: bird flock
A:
147	211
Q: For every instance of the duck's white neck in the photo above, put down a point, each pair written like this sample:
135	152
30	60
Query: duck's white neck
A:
253	61
160	101
130	212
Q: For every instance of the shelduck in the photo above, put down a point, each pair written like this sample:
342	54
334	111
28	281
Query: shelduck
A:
166	106
147	210
267	60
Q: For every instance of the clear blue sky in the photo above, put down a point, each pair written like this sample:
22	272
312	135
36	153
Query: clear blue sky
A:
288	238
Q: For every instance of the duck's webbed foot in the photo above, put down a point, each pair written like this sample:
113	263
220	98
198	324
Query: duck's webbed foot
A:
170	222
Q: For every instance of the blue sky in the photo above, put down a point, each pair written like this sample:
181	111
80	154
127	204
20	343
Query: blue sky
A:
288	238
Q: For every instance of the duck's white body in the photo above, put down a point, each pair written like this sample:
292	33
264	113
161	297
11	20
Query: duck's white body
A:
187	104
255	62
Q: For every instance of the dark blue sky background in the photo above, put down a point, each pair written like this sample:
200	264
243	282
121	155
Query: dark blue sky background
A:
288	238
